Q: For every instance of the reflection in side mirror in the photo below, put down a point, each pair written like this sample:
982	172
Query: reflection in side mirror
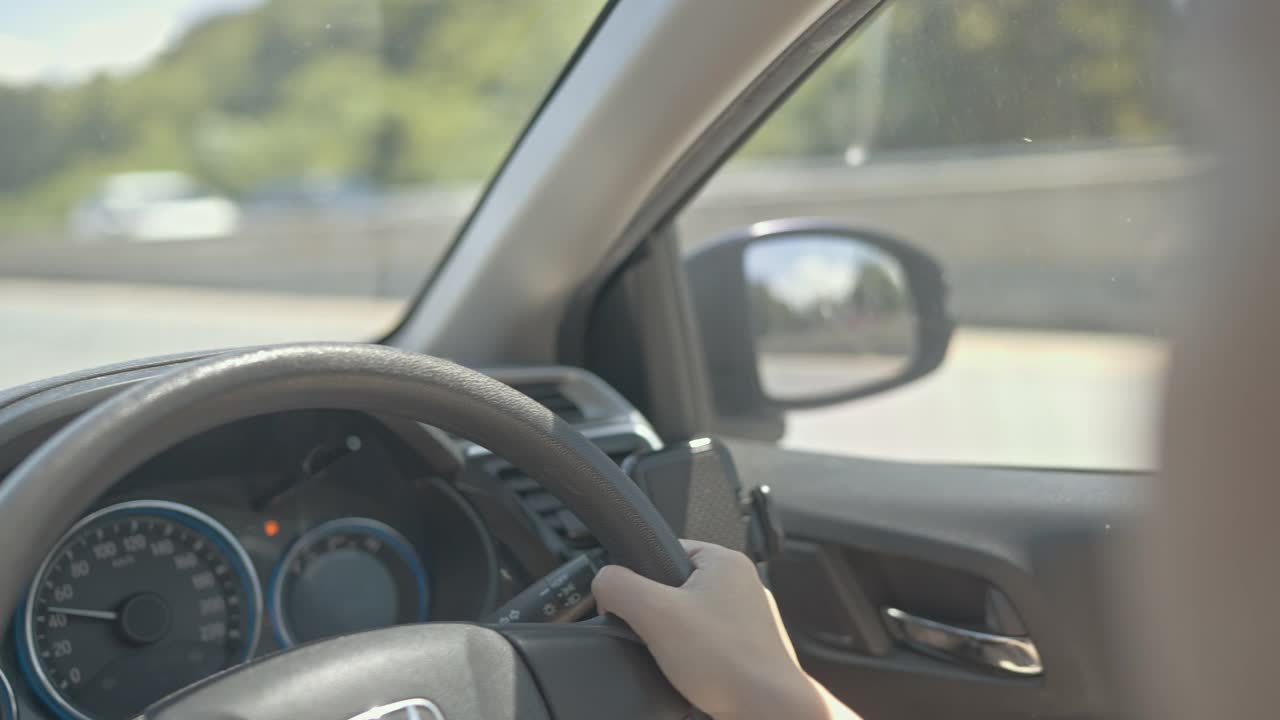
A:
829	314
806	313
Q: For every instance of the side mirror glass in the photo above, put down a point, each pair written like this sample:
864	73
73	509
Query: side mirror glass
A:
830	314
805	313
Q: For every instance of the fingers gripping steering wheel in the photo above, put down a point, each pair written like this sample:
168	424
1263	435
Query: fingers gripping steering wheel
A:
449	671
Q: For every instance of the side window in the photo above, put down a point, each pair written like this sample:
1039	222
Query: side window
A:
1029	149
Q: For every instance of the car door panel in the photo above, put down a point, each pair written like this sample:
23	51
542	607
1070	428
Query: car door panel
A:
865	535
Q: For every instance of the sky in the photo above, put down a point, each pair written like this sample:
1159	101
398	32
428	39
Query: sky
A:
70	40
800	272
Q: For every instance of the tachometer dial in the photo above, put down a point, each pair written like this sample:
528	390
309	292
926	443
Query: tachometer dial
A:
137	600
345	576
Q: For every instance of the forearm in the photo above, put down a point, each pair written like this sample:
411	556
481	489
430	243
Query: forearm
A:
834	709
789	695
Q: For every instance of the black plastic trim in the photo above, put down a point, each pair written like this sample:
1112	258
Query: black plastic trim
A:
1046	539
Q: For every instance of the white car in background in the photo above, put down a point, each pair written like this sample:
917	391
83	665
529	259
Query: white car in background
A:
154	207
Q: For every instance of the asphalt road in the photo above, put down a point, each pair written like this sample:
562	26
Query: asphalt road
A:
789	375
52	327
1002	397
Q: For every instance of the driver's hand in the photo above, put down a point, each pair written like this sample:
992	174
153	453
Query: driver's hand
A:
719	638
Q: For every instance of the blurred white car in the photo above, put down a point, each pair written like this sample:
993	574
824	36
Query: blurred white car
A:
153	207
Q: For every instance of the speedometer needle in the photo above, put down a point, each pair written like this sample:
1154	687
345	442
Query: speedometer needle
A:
76	612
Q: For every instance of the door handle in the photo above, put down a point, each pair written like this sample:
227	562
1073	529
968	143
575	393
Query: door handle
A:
1006	653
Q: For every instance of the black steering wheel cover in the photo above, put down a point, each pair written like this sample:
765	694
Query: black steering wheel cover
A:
61	480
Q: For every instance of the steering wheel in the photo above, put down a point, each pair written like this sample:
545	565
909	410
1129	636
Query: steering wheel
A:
440	671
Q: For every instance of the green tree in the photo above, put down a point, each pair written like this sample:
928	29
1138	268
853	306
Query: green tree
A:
927	74
876	291
396	91
385	150
435	91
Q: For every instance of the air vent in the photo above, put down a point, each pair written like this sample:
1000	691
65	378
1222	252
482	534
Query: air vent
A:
550	396
547	508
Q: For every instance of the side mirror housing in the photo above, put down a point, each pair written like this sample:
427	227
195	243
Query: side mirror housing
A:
803	313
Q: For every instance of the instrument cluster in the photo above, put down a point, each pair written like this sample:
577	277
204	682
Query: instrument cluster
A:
254	537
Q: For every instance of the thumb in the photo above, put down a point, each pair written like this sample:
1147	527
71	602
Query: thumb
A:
634	598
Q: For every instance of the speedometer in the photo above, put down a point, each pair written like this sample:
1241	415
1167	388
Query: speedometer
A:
136	601
8	704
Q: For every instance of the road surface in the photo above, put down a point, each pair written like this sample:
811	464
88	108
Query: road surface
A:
1002	397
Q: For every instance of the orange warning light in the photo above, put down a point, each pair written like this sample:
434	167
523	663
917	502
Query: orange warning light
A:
271	528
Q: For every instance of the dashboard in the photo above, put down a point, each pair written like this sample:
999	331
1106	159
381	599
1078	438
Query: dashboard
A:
279	530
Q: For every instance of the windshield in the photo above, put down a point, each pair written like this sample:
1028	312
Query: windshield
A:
189	174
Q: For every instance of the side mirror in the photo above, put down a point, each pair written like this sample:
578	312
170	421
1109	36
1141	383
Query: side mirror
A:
806	313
